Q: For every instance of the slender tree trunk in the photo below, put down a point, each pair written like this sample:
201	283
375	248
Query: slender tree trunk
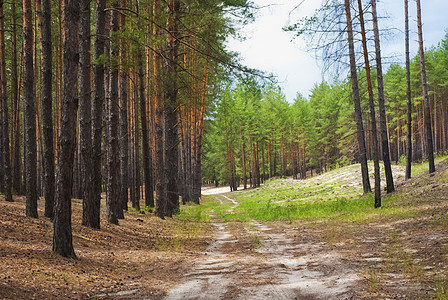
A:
408	95
372	108
93	219
16	169
113	208
89	212
427	109
357	103
171	106
47	106
124	140
160	200
5	114
243	158
136	203
29	101
147	159
62	237
382	107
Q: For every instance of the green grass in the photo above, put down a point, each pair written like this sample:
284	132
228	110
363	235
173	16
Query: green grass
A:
424	166
353	209
322	198
198	212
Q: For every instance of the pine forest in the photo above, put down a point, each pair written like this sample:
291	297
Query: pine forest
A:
143	157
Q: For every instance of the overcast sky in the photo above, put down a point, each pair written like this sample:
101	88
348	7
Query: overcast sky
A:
270	49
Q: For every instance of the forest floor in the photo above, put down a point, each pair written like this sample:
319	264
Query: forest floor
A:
290	239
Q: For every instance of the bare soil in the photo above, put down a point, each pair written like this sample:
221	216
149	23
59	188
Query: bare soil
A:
147	258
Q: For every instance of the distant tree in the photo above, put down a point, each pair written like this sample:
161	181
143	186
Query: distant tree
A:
427	109
408	94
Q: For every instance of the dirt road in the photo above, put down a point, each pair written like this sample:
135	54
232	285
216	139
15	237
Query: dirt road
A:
255	260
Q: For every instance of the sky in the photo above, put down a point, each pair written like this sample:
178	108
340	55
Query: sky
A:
268	48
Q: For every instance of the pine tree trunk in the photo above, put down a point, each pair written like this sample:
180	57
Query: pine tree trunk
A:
427	109
124	140
382	107
147	155
113	208
408	95
90	209
7	188
93	220
47	105
357	103
16	169
29	100
62	237
160	200
372	109
136	200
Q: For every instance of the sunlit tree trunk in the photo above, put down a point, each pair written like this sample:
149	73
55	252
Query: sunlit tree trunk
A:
382	107
357	102
408	94
372	109
426	105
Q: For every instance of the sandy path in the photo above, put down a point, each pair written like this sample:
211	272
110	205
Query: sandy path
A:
277	267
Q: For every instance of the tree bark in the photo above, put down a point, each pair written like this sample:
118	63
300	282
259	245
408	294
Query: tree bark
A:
16	169
171	106
160	186
90	213
113	207
62	237
124	140
426	106
5	114
408	94
47	105
357	103
147	159
29	101
93	220
372	108
382	108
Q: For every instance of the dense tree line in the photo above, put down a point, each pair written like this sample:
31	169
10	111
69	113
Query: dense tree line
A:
318	133
108	97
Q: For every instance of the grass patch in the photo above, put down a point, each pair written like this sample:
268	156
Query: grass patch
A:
198	212
259	206
424	166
